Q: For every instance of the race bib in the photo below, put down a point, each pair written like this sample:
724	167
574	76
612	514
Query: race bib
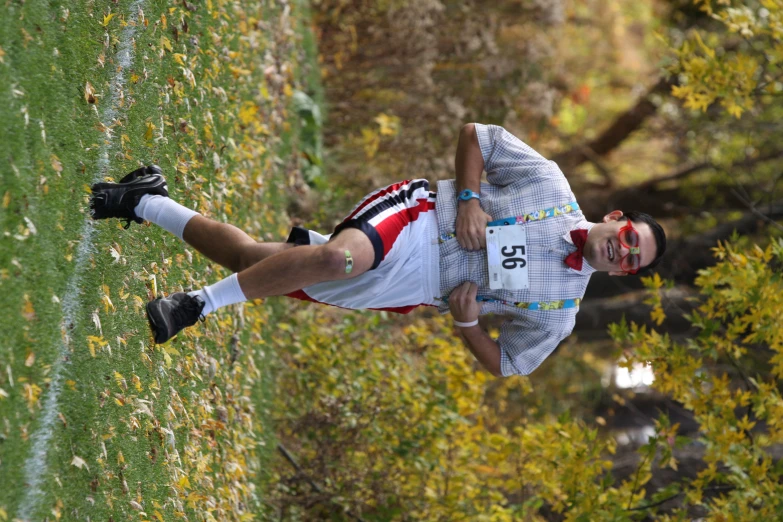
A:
507	257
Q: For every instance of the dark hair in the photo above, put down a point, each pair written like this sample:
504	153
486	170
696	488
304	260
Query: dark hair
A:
657	230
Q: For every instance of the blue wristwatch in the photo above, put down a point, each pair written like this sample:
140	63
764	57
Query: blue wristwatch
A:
467	195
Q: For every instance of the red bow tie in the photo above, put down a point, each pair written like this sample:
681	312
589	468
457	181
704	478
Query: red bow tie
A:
574	259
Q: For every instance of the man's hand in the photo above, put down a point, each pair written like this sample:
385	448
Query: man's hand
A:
465	309
471	225
462	302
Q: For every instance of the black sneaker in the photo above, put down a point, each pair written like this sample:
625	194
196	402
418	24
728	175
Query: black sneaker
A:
119	200
169	315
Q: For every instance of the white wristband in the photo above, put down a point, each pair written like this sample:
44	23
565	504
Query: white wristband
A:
464	325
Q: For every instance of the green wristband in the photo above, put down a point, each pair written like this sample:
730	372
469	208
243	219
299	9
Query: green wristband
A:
348	262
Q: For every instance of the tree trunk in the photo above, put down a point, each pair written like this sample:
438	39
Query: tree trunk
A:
674	201
617	132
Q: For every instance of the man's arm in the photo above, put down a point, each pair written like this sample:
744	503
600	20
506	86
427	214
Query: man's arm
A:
468	165
465	309
483	348
468	161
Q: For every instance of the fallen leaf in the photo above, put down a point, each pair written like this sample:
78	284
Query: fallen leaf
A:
97	321
79	463
148	133
28	312
30	226
107	303
107	18
56	164
89	93
31	394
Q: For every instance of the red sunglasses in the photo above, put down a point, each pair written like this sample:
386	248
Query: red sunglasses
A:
629	238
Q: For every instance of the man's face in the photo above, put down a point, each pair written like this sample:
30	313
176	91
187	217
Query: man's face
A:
604	250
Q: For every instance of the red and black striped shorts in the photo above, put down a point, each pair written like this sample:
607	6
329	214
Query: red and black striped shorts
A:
404	272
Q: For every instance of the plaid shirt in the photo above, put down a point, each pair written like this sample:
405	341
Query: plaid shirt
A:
520	181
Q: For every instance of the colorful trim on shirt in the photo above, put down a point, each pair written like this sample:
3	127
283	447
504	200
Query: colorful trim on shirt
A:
535	306
525	218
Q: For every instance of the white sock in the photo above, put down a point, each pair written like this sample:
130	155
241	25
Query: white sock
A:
164	212
222	293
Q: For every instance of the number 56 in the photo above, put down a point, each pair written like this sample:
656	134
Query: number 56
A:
513	262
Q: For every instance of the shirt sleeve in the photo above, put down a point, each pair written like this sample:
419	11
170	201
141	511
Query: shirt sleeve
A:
507	158
524	345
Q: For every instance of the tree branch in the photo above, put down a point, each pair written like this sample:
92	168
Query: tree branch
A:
618	131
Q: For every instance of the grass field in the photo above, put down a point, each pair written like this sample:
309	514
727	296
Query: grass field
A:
97	422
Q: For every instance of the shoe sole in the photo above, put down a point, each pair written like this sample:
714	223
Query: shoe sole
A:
153	324
142	172
97	187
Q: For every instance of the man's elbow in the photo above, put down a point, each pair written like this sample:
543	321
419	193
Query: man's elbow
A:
468	130
494	370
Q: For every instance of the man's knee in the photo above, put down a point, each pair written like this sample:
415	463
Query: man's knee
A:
335	262
360	248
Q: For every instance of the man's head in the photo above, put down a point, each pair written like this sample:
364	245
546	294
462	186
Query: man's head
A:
609	246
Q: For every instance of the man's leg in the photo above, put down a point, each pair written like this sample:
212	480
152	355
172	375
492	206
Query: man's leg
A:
226	244
287	270
279	274
303	266
266	269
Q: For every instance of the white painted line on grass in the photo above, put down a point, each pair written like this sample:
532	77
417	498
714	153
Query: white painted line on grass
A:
36	465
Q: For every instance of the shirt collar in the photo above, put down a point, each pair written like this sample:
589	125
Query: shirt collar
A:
586	268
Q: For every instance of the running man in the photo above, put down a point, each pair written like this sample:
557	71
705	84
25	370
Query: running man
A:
517	245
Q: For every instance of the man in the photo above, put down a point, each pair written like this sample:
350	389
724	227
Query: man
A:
517	246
